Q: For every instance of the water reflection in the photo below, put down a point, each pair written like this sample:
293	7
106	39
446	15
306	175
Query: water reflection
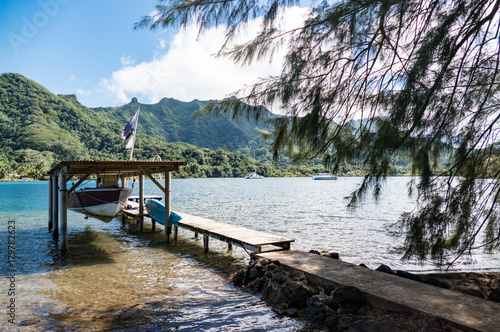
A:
118	278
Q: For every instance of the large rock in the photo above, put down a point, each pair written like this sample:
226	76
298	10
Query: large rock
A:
494	295
348	295
384	268
298	294
333	255
350	299
372	326
323	299
408	275
318	313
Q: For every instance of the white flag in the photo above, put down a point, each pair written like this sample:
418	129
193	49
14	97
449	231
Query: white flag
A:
131	126
130	143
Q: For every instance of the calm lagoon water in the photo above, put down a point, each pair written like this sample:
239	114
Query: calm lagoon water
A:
116	278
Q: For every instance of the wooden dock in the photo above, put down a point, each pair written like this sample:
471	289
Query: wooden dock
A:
132	210
247	238
233	235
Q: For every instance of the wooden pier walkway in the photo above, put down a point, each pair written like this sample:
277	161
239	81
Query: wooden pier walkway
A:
233	235
247	238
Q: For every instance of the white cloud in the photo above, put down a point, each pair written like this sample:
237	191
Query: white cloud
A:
162	44
82	92
189	70
127	61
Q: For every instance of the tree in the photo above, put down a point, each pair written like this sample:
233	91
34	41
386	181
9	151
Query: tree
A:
424	76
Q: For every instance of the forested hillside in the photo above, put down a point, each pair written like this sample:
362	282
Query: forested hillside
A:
173	121
38	129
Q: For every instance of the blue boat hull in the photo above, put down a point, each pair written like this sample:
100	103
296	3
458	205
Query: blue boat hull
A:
156	211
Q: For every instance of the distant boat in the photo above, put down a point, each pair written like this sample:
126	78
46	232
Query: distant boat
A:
103	201
253	175
324	176
156	211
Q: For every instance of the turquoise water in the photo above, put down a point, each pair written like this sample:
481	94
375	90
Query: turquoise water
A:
117	278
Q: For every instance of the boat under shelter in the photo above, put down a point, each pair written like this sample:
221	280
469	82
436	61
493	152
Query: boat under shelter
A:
81	170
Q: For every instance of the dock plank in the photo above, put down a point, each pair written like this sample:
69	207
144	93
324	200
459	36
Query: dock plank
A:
133	210
253	240
136	197
248	238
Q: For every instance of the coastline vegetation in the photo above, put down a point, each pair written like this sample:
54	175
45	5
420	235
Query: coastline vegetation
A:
38	129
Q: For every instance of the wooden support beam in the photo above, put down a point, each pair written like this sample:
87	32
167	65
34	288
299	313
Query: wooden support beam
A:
51	214
63	211
167	192
229	246
55	206
152	178
205	242
141	202
176	232
83	178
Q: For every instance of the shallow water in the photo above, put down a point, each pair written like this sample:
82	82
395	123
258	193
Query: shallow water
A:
116	278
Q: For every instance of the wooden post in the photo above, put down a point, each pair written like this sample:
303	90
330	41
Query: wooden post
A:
176	232
168	177
141	202
205	243
63	211
153	224
55	196
229	246
55	206
50	204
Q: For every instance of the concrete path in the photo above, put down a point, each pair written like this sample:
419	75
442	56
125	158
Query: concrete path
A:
395	293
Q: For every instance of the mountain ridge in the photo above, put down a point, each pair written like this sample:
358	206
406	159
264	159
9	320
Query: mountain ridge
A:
36	124
169	119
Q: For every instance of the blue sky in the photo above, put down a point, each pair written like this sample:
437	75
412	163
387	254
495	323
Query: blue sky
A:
89	48
70	45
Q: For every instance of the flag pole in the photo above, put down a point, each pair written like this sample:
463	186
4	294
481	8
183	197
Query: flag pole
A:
132	148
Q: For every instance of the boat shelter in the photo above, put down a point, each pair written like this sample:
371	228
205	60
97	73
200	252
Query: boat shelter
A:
81	170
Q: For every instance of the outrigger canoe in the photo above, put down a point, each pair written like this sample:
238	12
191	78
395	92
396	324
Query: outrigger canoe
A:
156	211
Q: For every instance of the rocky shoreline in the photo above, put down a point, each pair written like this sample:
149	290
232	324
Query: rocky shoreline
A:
289	293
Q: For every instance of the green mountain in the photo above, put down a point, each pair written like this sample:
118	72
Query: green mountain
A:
33	118
173	121
38	128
